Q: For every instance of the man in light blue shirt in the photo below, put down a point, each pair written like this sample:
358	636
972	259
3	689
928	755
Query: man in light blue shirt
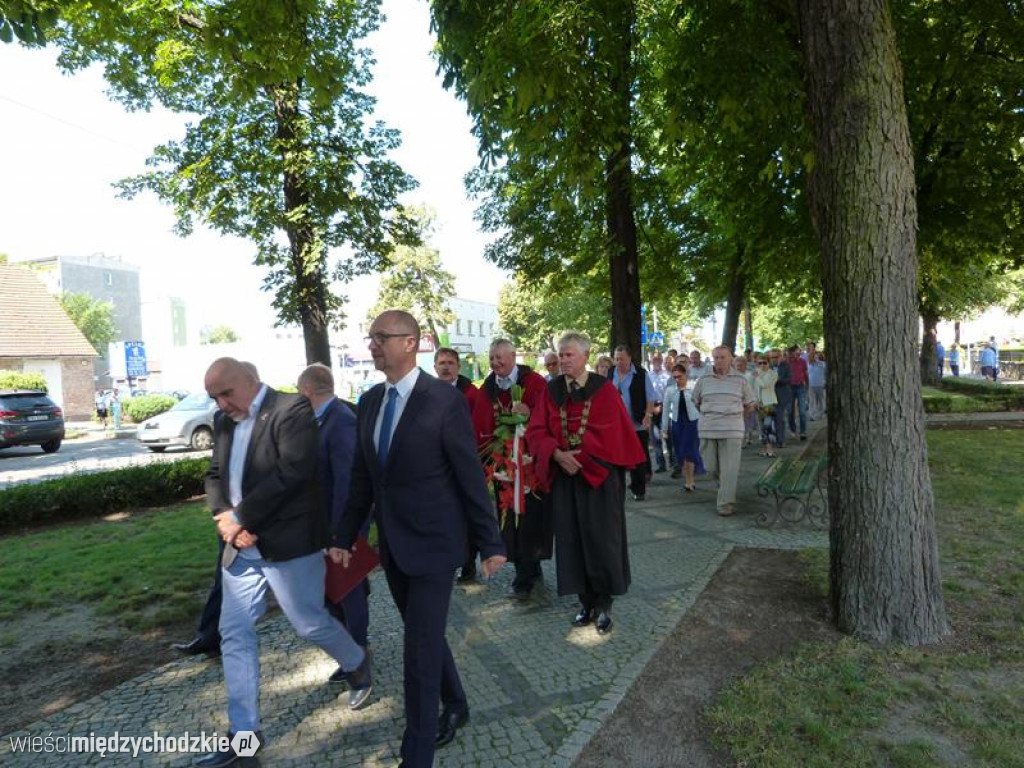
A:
989	362
639	397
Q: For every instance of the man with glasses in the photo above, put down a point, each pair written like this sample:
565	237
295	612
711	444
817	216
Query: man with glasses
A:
416	469
550	365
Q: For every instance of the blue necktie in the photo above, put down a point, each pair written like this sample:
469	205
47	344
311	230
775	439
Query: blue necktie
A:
384	441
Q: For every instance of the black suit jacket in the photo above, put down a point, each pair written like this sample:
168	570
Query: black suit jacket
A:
432	489
281	498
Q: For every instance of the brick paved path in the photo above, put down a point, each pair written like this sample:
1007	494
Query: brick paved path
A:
538	689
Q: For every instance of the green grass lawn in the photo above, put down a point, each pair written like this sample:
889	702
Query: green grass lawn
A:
147	569
852	704
977	398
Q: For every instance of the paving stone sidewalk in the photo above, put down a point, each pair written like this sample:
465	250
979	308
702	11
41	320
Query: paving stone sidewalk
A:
538	689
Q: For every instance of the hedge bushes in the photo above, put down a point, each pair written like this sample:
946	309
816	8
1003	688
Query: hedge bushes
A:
142	407
18	380
98	494
972	396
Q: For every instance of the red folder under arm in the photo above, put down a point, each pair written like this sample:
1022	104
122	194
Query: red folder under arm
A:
340	581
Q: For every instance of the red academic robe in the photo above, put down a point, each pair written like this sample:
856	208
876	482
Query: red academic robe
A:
589	515
469	389
531	537
533	385
609	436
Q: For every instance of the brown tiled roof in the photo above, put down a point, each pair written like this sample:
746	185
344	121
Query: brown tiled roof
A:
32	322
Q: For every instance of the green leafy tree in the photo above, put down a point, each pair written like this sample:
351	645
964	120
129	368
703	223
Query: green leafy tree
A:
966	113
789	320
27	21
282	151
885	583
550	89
532	315
417	282
220	334
94	318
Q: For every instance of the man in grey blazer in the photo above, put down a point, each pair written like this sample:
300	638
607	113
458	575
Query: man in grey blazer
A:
262	488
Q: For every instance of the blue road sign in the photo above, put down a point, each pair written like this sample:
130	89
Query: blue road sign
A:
656	339
135	359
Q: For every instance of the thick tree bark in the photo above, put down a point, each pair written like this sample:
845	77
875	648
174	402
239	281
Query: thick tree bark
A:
731	326
885	581
748	323
956	332
929	356
623	256
306	258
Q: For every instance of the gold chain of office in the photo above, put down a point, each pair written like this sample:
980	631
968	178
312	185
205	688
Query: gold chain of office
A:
576	438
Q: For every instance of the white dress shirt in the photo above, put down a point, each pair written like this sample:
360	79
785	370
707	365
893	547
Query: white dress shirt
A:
236	466
507	382
404	388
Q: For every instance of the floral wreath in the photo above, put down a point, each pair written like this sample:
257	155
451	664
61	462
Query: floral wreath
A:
505	459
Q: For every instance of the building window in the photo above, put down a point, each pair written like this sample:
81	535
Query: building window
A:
110	278
458	327
492	329
481	326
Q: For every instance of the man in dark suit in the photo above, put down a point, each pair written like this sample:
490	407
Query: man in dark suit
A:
416	464
337	442
262	488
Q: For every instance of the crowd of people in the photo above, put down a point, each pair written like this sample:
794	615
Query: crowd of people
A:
987	358
295	481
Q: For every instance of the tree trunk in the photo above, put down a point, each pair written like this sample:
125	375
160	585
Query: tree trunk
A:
307	259
748	324
731	326
885	581
956	332
623	256
929	352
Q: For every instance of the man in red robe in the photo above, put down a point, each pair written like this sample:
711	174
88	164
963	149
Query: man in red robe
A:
529	536
582	442
446	366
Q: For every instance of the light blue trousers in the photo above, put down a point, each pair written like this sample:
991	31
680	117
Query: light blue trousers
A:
298	585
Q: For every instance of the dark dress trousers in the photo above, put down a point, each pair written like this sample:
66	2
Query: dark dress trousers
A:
337	446
429	495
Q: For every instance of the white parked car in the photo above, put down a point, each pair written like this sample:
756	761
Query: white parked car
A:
188	423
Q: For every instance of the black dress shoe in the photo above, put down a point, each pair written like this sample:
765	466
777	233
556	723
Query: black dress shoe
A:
230	757
603	623
521	591
447	725
583	617
638	497
659	470
197	645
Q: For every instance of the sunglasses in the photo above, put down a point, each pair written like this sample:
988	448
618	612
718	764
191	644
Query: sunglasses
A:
763	362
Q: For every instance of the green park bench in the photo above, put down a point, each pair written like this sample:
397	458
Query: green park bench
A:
793	483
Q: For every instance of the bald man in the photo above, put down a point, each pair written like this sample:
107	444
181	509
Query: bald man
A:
262	488
416	470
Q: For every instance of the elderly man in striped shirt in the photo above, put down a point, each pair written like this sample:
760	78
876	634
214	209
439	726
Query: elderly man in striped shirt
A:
722	398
